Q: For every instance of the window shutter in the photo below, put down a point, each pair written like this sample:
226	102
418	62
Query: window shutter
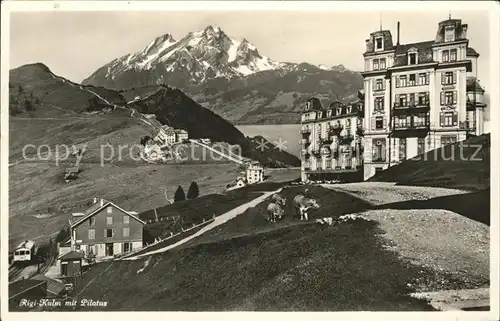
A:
442	98
105	234
383	84
397	82
454	77
373	123
113	232
427	76
374	84
396	100
442	78
455	118
441	119
455	97
384	123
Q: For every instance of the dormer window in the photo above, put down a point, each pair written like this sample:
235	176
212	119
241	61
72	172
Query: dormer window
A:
379	44
339	110
308	105
328	113
349	109
449	34
412	58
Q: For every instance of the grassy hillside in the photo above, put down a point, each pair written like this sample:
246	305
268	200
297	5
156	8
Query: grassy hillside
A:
464	165
249	264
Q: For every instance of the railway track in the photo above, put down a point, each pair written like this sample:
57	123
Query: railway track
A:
14	271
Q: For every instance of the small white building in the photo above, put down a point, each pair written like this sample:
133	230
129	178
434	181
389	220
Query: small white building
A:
255	173
181	135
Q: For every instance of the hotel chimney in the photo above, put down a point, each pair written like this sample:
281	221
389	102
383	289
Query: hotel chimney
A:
397	44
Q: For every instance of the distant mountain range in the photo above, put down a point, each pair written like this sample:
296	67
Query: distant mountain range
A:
229	76
35	92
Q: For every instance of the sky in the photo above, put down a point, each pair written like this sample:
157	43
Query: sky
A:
75	44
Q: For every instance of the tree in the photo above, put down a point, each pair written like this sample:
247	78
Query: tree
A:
179	195
193	191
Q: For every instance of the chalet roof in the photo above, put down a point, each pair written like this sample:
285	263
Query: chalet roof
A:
28	244
71	255
53	286
95	208
21	286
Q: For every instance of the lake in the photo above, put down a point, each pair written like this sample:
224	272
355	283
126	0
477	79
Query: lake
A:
289	133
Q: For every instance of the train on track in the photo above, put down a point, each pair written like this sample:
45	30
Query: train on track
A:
25	252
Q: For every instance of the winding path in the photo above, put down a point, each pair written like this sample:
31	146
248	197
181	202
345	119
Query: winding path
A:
219	220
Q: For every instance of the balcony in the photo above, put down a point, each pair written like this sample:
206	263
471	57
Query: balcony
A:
411	129
305	132
335	130
346	139
412	107
325	150
360	131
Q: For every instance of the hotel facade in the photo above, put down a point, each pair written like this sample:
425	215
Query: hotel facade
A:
419	96
416	97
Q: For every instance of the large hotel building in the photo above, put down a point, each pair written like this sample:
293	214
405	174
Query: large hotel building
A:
417	97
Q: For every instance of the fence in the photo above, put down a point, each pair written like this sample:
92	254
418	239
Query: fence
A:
172	235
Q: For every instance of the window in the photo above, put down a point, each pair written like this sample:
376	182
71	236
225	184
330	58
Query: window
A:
379	84
420	146
126	231
382	63
349	109
423	79
423	99
339	111
448	78
91	234
375	64
412	100
348	123
379	103
308	105
421	120
448	119
402	100
412	59
378	43
126	219
379	123
329	113
92	221
445	140
401	122
412	79
109	220
453	55
127	247
448	97
402	148
446	56
449	34
109	232
109	210
402	81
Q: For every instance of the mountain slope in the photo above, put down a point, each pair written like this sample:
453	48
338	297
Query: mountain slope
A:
228	76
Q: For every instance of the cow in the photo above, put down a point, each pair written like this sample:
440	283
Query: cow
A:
275	211
302	204
278	199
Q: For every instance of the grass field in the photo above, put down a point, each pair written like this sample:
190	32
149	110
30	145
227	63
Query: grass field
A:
38	188
249	264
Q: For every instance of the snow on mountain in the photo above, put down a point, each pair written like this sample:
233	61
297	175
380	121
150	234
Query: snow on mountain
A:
204	54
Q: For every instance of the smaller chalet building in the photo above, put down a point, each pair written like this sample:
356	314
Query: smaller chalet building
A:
105	230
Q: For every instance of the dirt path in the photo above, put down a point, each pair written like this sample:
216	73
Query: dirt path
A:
219	220
436	238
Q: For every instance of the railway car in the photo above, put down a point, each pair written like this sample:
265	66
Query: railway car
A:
25	252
